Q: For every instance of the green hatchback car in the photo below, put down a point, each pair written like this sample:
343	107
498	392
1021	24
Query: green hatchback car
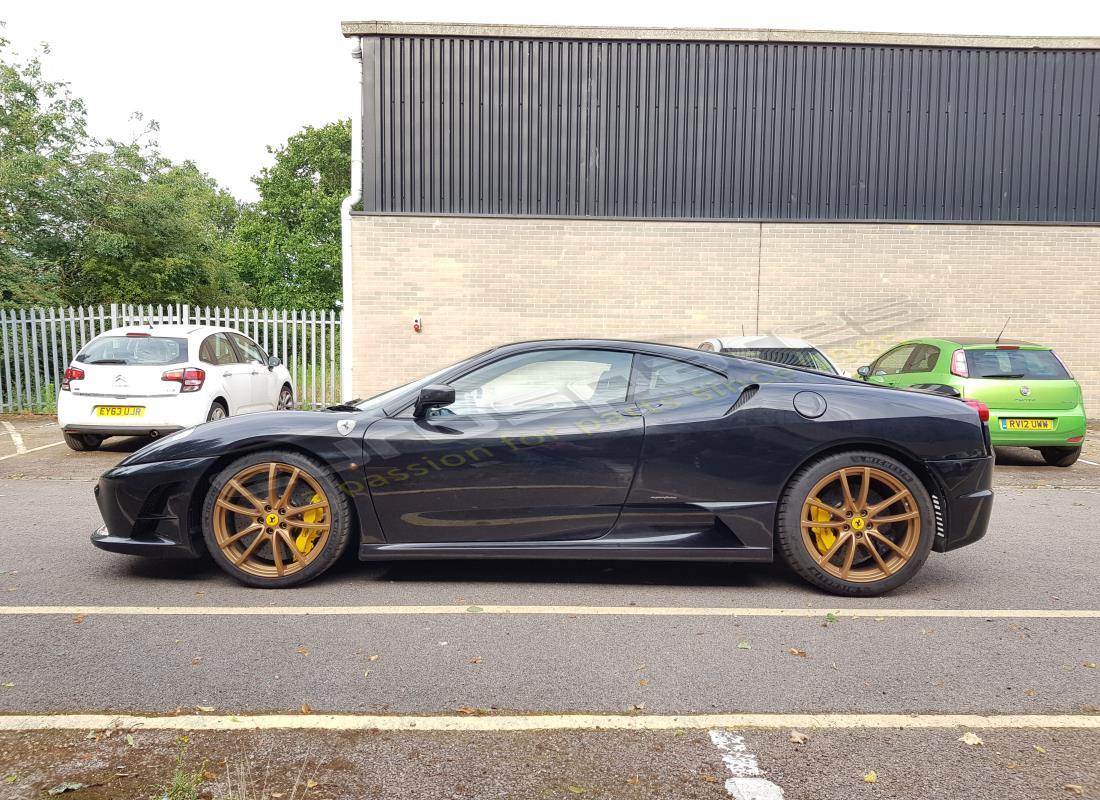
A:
1033	399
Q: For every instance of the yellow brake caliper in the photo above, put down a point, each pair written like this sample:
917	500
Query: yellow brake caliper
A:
306	538
824	536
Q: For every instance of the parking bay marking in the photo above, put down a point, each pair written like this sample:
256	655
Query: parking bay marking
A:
16	437
26	450
541	722
549	610
748	781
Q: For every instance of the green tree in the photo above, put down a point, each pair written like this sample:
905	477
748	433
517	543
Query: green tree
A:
42	133
153	231
87	221
288	243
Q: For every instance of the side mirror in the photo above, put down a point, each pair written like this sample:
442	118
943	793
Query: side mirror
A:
433	396
273	361
863	372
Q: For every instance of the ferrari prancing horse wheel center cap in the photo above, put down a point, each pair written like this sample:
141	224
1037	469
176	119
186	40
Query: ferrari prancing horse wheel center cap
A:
272	519
858	523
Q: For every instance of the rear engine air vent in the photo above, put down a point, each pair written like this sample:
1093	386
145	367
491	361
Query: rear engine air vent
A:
747	394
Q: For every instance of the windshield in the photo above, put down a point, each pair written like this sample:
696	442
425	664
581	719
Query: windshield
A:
807	358
380	401
1035	365
149	351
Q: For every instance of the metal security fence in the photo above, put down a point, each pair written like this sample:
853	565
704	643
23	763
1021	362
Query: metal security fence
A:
37	344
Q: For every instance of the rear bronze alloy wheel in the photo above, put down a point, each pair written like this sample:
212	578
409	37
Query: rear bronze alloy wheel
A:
856	524
275	519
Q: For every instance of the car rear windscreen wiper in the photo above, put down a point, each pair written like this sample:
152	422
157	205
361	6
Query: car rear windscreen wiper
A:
109	361
1003	375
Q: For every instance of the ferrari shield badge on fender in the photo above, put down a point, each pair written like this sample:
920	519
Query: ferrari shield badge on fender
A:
345	426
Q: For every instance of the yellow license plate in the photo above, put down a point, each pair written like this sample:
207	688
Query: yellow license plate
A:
1027	424
120	411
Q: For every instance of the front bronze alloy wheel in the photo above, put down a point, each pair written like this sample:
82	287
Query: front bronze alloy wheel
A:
856	523
275	519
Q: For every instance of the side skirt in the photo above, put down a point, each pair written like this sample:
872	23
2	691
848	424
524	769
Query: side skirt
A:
695	546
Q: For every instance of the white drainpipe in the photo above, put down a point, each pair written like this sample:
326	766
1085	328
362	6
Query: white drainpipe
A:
347	310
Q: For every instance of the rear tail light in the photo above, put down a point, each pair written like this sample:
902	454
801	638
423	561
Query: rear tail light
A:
980	407
1008	347
71	374
958	364
191	379
139	335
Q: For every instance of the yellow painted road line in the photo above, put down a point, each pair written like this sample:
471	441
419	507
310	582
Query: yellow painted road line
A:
549	610
30	450
539	722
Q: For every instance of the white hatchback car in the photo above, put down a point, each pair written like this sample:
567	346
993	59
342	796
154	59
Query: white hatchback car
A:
154	379
786	350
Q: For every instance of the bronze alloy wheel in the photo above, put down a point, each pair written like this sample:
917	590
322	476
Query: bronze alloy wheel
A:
271	519
861	524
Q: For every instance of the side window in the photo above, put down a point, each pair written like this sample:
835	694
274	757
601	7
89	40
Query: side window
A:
250	351
546	380
657	378
893	362
923	359
216	349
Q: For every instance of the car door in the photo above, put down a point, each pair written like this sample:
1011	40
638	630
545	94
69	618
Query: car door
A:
890	365
262	393
234	377
920	367
540	445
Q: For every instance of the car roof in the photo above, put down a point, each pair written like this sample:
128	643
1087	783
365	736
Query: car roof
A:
612	344
174	330
973	341
767	340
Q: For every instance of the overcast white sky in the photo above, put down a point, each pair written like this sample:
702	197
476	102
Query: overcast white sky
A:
226	78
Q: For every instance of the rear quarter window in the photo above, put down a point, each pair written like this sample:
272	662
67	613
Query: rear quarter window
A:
1034	365
657	378
151	351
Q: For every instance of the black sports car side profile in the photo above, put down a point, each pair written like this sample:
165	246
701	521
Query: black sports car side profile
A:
573	449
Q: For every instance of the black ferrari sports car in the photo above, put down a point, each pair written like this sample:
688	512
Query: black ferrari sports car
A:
573	449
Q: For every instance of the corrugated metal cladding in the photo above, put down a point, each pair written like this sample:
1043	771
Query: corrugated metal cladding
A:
730	130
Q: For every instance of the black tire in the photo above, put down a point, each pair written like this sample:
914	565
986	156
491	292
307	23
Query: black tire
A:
217	411
286	399
792	548
1060	456
340	522
82	442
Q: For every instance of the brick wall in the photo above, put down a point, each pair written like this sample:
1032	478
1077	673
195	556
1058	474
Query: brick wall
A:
852	289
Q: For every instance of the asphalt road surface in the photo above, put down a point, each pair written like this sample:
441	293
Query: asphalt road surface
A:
632	680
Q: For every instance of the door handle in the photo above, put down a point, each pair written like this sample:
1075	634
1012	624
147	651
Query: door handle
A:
255	372
227	374
631	412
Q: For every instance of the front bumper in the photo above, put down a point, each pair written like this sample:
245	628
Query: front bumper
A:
966	500
149	510
155	547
